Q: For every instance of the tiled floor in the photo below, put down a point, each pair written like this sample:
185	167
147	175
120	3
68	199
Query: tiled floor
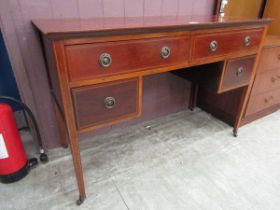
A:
187	160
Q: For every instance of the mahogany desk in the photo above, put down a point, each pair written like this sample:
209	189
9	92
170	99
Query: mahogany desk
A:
96	66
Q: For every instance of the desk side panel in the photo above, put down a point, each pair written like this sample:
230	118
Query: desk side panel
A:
52	73
223	106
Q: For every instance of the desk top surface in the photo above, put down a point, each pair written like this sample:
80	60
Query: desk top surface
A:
65	26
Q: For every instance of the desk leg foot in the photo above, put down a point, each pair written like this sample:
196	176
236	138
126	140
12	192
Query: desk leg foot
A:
80	200
235	132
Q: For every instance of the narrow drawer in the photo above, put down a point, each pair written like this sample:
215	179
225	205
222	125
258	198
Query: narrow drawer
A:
87	61
102	104
266	81
223	43
270	59
263	101
237	73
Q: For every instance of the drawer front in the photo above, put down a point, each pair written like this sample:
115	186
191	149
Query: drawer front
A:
87	61
237	73
223	43
103	104
266	81
263	101
270	59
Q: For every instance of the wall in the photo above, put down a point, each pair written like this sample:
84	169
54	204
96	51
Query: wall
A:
8	86
163	93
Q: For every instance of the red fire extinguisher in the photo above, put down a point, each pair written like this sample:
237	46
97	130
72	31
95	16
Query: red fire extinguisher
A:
14	164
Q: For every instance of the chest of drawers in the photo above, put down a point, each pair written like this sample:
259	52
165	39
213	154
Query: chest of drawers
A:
265	95
96	66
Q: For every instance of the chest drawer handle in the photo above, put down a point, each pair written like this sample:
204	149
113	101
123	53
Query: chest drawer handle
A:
278	57
239	71
267	100
105	60
109	102
165	52
213	45
273	79
247	41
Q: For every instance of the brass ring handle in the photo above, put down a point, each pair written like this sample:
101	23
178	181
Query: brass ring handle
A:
105	60
109	102
273	79
213	45
239	71
165	52
247	41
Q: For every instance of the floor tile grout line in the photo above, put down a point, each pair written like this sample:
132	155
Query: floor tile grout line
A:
120	193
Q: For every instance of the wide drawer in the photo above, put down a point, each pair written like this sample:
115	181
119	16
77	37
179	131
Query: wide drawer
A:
237	73
268	80
270	59
223	43
263	101
106	103
86	61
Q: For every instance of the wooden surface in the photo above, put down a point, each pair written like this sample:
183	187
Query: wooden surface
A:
265	97
241	8
270	59
90	109
266	81
72	26
231	79
220	77
272	11
127	56
228	42
68	110
272	40
64	139
265	112
263	101
224	106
